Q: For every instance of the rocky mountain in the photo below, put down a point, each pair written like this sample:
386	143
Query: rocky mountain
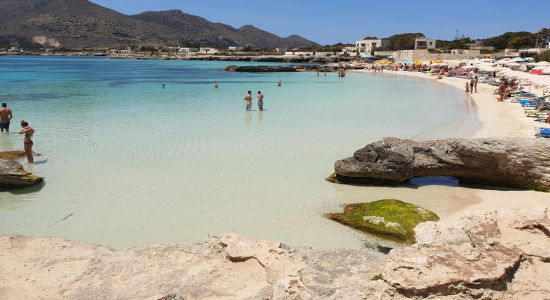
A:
83	24
205	32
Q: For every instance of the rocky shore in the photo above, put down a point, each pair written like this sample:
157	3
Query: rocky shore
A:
521	163
488	255
12	173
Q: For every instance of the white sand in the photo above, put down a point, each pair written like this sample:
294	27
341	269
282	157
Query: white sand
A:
501	120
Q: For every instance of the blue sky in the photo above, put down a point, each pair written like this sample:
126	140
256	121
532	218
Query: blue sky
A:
328	22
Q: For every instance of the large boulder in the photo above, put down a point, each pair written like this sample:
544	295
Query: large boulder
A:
489	255
521	163
12	175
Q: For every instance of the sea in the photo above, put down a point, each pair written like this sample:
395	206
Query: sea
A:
128	162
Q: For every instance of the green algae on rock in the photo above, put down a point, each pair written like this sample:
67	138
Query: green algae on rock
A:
391	219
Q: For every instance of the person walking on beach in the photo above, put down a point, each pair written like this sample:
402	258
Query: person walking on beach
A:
5	118
476	80
501	90
467	88
472	82
28	132
248	99
260	101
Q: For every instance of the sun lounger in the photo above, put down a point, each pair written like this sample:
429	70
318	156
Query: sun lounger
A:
543	132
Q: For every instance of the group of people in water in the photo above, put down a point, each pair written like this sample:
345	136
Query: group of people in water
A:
6	116
248	100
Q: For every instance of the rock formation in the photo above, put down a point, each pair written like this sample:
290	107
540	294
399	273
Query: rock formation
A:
521	163
495	255
488	255
12	175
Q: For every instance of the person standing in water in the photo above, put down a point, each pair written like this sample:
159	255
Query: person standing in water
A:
216	86
260	101
5	118
248	99
280	83
28	132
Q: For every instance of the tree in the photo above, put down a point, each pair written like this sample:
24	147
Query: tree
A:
403	41
543	56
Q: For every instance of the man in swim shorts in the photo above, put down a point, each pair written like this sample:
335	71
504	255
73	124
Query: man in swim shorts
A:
260	101
248	99
5	118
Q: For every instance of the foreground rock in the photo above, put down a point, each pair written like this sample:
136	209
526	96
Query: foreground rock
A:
522	163
229	267
492	255
12	155
12	175
390	219
496	255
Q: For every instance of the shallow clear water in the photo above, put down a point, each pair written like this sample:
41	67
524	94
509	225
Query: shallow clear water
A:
138	164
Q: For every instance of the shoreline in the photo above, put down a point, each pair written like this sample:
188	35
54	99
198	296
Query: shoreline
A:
498	120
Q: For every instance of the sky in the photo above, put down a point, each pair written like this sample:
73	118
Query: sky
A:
330	22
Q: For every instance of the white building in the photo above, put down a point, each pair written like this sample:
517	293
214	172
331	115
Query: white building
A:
423	43
367	46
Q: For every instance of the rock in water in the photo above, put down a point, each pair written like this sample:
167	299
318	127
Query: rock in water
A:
12	175
9	155
521	163
390	219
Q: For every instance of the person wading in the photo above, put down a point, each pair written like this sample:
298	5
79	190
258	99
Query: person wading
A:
28	132
248	99
5	118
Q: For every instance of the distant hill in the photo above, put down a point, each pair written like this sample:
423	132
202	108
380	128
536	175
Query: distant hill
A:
81	24
205	32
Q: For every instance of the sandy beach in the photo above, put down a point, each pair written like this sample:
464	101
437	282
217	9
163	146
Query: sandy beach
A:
500	120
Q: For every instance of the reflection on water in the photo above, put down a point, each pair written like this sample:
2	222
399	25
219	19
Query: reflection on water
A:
138	164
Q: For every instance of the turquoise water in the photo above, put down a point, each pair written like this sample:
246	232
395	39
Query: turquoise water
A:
132	163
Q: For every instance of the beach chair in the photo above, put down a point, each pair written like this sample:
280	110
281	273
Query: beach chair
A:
542	117
543	132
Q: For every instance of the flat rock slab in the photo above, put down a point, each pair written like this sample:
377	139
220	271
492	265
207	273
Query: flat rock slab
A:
13	175
520	163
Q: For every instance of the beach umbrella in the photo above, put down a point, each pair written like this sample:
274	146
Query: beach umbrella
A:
529	59
536	72
542	63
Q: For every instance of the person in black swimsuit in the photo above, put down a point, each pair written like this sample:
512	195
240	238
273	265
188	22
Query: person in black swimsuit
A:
28	132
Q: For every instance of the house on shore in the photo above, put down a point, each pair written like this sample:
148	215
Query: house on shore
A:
423	43
366	47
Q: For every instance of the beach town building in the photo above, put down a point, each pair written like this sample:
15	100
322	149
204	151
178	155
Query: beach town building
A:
478	45
188	50
422	43
234	49
422	55
367	46
351	51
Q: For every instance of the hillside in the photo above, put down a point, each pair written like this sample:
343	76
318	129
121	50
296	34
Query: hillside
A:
82	24
207	33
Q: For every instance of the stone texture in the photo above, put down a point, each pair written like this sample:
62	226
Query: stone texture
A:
523	163
13	175
487	255
12	155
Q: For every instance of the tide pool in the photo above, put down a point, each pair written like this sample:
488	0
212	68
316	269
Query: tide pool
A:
132	163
